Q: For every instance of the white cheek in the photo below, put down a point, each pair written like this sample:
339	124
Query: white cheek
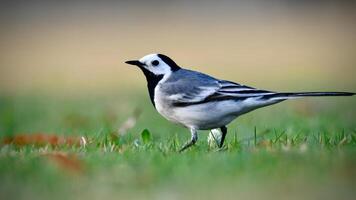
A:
164	70
158	70
154	70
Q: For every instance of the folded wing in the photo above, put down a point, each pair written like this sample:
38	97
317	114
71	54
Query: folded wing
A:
200	88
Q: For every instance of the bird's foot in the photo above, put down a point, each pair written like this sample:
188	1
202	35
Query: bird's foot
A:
187	145
192	141
220	149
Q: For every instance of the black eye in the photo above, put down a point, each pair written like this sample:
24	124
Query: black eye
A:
155	63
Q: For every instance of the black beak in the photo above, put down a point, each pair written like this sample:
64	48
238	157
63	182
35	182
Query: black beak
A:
134	62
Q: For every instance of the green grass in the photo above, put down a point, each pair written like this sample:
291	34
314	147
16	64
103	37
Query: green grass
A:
303	149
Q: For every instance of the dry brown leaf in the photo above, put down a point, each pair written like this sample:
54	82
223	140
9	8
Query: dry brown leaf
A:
41	139
67	162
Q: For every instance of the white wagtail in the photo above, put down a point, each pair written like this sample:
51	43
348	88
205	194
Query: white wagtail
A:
201	102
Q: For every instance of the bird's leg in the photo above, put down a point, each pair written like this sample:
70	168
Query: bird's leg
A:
224	132
192	141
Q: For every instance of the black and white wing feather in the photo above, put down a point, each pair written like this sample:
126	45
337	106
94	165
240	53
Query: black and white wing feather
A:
228	88
190	88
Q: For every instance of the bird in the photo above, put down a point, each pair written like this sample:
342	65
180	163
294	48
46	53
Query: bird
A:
199	101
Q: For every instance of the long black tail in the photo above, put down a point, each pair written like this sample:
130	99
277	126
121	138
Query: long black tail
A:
291	95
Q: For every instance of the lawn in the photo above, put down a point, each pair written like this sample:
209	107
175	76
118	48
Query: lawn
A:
118	147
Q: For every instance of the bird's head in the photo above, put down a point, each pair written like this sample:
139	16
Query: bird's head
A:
155	64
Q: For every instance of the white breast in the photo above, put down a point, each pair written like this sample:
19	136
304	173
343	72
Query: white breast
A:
207	115
201	116
163	106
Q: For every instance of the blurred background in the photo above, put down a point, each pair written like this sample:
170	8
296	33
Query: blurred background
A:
72	114
74	47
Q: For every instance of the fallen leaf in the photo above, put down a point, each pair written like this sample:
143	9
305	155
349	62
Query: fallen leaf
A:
67	162
42	139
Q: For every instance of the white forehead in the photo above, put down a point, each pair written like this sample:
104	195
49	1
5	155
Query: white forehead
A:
149	57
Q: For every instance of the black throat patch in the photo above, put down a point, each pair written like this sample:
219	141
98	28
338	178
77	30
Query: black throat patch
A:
152	81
